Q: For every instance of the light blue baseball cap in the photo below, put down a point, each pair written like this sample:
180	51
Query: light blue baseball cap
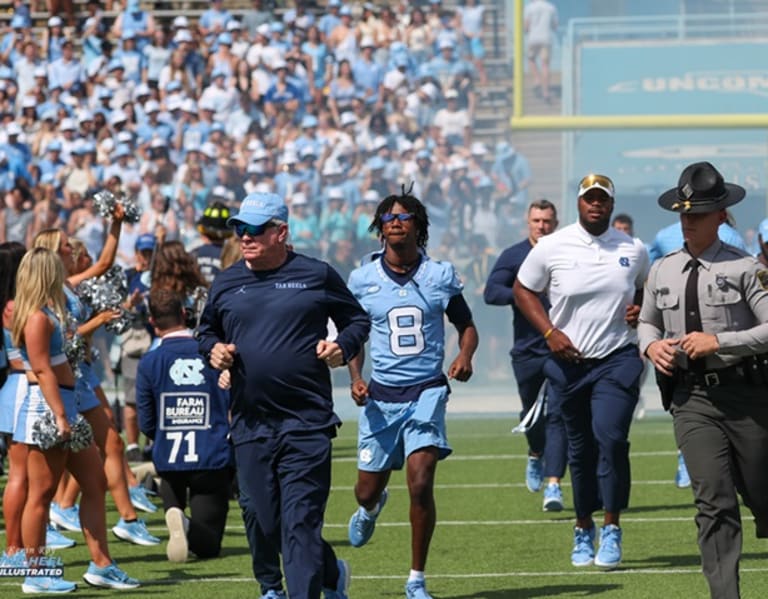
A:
308	121
259	208
122	150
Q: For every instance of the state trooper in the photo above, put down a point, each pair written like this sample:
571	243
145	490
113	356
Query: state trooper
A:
703	324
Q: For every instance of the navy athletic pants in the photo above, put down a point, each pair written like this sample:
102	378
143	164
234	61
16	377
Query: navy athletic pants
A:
597	399
547	436
284	482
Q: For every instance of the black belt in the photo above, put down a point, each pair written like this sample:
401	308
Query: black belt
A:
731	375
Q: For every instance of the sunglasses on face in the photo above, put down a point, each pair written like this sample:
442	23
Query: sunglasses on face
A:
242	229
596	181
599	179
388	217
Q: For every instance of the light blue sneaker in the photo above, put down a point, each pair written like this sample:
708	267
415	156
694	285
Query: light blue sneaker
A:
553	498
55	540
140	500
134	532
583	553
47	584
361	525
65	518
273	594
682	480
16	560
534	474
342	584
417	589
609	553
109	577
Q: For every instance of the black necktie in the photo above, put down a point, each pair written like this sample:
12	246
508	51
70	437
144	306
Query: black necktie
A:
692	313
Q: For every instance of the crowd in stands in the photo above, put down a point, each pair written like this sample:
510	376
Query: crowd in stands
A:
332	108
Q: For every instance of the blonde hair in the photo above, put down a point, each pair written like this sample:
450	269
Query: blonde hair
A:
78	247
39	283
230	252
49	239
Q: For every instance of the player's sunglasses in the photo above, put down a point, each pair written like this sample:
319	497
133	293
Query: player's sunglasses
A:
594	180
388	217
241	229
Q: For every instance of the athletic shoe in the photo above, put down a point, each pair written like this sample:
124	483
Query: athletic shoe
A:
47	584
417	589
177	549
682	480
65	518
342	584
609	553
16	560
273	594
553	498
140	500
534	474
133	454
109	577
583	553
362	525
55	540
134	532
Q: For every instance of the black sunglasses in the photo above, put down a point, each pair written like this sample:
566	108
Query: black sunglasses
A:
241	229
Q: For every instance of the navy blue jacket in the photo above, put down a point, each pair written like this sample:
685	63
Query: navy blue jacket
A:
275	319
182	408
498	292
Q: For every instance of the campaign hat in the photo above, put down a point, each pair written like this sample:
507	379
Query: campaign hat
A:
700	189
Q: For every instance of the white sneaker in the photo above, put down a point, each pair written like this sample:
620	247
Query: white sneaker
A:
178	546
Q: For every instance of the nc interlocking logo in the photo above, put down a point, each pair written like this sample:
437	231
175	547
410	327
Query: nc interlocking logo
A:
43	565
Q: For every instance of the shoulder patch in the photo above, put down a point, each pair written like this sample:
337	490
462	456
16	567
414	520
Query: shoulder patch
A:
762	278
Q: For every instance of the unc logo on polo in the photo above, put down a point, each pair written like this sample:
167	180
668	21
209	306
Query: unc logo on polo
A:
187	371
624	261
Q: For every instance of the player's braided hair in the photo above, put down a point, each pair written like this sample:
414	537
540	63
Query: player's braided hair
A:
413	205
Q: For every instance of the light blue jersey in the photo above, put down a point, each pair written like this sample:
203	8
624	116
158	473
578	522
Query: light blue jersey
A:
407	340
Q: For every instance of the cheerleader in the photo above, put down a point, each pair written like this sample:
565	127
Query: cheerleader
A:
38	330
92	402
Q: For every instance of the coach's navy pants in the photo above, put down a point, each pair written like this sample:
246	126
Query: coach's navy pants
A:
547	436
284	482
597	399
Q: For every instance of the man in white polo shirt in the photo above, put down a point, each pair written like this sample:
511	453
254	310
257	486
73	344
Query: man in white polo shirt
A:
594	275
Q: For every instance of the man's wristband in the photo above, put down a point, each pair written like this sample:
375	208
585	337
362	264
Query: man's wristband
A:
549	332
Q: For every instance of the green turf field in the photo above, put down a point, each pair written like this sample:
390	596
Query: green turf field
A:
492	539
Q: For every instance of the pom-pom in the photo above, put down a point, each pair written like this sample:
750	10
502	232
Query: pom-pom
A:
82	434
108	292
104	201
74	349
45	433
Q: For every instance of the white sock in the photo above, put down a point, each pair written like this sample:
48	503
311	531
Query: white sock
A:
375	511
416	576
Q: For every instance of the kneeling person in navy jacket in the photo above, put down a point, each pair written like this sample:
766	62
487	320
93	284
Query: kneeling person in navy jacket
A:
182	409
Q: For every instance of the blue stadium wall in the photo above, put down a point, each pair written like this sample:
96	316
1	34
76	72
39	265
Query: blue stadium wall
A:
710	76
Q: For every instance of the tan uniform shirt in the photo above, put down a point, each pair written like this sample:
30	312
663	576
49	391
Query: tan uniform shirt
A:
733	302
